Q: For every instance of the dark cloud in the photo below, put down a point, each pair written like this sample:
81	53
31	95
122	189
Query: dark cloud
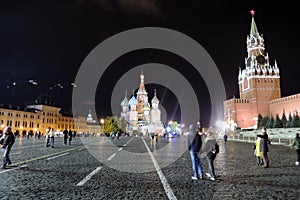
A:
133	7
147	7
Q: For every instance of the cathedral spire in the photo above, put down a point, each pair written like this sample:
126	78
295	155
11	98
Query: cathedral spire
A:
253	30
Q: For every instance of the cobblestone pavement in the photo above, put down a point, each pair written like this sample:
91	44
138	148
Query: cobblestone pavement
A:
98	168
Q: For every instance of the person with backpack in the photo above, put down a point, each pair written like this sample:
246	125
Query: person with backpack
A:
211	149
8	141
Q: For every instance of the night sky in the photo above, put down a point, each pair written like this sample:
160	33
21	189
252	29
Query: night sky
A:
47	40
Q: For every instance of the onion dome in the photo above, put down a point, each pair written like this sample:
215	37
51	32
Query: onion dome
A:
133	101
125	100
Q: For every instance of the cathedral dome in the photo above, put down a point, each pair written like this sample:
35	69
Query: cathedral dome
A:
133	101
124	102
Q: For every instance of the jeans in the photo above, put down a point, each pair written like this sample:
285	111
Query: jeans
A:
6	159
51	141
197	168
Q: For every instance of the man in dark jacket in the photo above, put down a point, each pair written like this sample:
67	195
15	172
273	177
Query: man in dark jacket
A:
9	140
194	143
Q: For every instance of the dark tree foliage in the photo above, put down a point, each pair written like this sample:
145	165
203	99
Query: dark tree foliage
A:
283	119
277	122
270	122
259	120
295	121
288	123
263	122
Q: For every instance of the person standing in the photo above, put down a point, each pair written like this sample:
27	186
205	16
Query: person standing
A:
65	132
47	137
225	138
70	135
8	141
211	149
51	137
194	143
264	147
296	145
257	152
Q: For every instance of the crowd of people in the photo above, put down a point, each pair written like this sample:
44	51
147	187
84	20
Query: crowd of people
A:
197	143
205	144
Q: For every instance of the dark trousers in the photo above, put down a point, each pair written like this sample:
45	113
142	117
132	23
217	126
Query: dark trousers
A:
298	154
211	167
265	159
6	159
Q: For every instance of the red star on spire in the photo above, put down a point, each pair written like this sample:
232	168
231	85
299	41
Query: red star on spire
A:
252	12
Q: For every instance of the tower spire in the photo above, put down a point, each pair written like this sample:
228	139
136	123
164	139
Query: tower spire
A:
253	30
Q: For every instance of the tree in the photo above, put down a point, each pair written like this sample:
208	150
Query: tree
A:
277	122
111	124
283	119
263	122
288	123
295	121
122	124
259	120
270	122
174	125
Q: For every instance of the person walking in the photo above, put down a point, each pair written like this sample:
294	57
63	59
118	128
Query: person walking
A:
194	143
211	149
65	133
264	147
8	141
296	145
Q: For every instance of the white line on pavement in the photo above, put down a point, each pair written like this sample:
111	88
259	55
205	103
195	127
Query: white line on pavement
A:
163	179
112	156
88	177
120	149
13	169
57	156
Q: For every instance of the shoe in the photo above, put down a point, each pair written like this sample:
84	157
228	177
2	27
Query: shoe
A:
265	166
208	175
212	178
297	163
201	176
3	167
194	178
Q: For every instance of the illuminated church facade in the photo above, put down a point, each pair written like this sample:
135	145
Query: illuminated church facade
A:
139	114
259	88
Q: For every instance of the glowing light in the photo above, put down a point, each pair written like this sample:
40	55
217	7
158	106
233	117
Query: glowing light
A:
102	121
252	12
